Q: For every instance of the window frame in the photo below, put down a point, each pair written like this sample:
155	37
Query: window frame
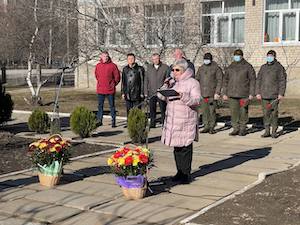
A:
117	20
216	17
280	29
165	16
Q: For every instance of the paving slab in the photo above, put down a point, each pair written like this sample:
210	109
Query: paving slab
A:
37	210
178	201
143	212
89	218
15	193
68	199
103	178
92	188
20	180
200	191
10	220
225	184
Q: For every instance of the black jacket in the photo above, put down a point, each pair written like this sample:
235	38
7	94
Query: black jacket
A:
271	80
133	82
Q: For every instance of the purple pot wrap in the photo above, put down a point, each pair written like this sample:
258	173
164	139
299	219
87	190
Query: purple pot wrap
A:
131	181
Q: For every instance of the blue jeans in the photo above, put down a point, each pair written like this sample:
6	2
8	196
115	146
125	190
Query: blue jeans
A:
111	101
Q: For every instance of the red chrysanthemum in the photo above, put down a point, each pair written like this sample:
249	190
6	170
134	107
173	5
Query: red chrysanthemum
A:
143	158
128	161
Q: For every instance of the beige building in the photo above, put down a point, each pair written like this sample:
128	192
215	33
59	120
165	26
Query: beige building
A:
144	27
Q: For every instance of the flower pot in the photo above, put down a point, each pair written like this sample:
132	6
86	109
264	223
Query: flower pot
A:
49	175
134	193
49	181
133	187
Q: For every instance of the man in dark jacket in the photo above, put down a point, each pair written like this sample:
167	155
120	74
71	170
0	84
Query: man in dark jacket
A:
210	77
132	83
155	76
108	76
239	88
179	54
270	88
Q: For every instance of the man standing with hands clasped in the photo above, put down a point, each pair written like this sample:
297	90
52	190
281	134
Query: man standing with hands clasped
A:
239	89
132	83
210	77
155	76
270	89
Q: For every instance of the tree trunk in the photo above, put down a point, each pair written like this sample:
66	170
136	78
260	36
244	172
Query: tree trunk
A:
50	35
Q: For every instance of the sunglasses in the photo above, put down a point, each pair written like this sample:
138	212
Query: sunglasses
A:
177	70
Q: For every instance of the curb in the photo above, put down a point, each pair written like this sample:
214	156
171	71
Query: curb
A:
71	159
222	124
65	114
261	177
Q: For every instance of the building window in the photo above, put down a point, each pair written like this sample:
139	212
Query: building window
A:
3	5
282	21
113	26
164	24
223	22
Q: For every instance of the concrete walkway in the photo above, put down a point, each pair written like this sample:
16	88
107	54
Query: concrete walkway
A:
88	194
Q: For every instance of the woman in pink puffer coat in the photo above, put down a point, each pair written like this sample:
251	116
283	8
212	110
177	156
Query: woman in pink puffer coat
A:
181	122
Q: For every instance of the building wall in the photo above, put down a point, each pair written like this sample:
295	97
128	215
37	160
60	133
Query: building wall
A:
254	48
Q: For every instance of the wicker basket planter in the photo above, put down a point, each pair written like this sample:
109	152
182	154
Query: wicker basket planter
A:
48	181
50	175
133	187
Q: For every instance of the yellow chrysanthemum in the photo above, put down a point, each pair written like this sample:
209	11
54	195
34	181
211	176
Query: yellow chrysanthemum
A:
43	145
136	160
130	153
121	161
110	161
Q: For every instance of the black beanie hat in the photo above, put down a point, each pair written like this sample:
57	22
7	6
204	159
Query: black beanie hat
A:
272	52
207	56
238	52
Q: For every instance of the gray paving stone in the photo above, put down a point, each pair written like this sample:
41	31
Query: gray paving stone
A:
18	180
68	199
14	193
103	178
225	175
90	218
143	212
79	165
92	188
37	210
198	191
229	185
178	201
100	160
9	220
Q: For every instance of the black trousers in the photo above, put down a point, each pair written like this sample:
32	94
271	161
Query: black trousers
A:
152	105
183	158
131	104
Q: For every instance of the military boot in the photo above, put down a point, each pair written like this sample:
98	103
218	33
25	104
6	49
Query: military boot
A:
234	132
274	133
267	133
242	132
205	130
212	131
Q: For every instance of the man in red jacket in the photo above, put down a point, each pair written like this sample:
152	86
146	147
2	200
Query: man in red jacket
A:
108	76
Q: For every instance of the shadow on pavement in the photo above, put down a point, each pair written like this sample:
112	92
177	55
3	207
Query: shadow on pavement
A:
164	184
107	133
66	178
